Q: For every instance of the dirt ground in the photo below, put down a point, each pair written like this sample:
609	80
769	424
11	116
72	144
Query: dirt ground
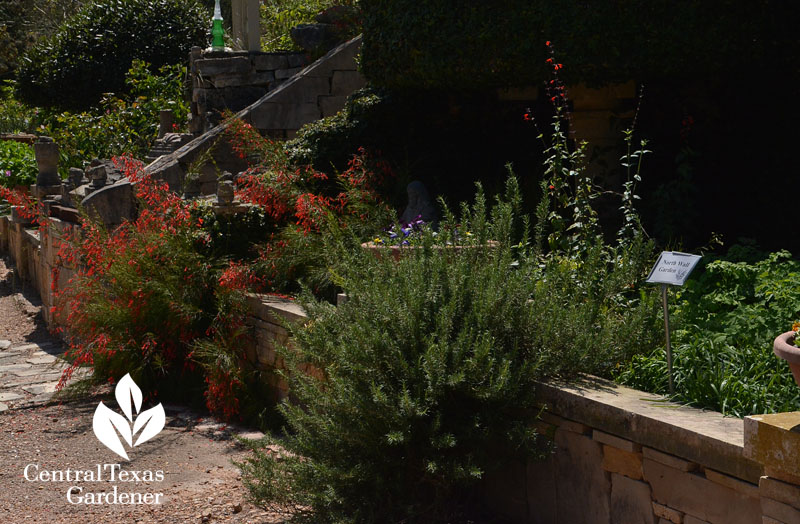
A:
50	457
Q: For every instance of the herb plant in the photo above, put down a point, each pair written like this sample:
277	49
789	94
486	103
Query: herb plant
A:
432	365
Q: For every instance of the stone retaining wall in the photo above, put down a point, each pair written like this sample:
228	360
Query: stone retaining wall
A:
267	318
35	255
622	456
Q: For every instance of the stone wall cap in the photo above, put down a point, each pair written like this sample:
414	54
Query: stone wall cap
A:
705	437
277	306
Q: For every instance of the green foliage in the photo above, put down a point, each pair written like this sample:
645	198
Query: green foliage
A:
15	116
445	140
278	17
120	124
234	236
93	50
17	164
471	45
11	47
431	366
22	22
329	143
725	320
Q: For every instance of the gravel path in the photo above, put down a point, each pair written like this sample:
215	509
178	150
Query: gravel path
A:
52	464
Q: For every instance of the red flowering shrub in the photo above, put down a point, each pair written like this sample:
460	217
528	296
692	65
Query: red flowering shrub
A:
27	207
303	202
154	299
141	294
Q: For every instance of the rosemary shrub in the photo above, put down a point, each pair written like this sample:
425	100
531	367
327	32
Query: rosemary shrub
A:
432	365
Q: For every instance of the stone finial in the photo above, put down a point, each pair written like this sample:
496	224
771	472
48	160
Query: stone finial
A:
166	119
75	176
98	175
225	193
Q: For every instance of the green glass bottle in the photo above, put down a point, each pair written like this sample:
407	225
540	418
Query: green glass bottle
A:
217	42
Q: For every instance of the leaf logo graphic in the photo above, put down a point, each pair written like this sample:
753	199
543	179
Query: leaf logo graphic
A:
108	425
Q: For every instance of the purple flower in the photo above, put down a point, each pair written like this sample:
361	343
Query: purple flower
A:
8	172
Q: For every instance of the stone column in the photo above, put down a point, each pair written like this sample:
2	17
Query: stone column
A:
773	440
246	30
166	118
47	160
48	182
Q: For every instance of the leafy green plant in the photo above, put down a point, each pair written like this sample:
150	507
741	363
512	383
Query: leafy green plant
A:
426	377
17	164
329	142
278	17
120	124
15	116
93	50
22	22
725	319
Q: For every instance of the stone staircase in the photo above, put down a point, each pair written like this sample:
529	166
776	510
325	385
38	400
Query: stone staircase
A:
168	144
315	91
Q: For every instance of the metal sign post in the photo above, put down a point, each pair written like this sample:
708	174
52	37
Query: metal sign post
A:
666	331
672	268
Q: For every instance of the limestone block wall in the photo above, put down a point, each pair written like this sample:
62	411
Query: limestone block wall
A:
620	456
234	80
624	456
314	92
267	318
35	254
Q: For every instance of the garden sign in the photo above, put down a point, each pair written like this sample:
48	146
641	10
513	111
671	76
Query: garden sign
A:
672	268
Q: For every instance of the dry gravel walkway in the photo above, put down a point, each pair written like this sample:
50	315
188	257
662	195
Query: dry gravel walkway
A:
190	462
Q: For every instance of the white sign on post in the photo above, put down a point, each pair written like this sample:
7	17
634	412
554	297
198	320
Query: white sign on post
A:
672	268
